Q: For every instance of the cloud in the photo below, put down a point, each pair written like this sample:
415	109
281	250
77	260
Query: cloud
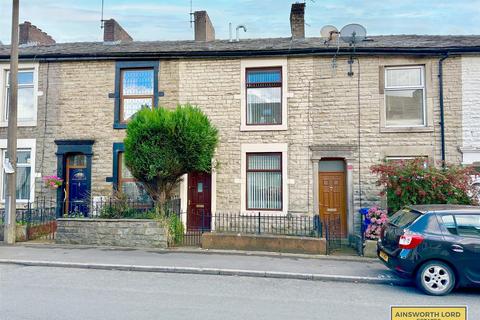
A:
73	20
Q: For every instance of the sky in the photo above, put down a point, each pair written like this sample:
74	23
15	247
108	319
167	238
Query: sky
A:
79	20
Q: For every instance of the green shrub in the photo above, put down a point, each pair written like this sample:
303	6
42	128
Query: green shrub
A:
411	182
161	145
175	229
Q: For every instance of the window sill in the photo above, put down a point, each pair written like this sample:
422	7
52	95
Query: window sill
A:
281	127
251	212
119	125
405	129
32	123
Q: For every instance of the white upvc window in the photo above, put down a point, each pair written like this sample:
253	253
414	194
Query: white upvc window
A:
25	170
405	102
27	94
263	94
264	178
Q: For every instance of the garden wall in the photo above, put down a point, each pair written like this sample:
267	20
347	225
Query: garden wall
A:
273	243
112	232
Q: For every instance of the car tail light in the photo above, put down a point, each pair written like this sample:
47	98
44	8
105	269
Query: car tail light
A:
410	241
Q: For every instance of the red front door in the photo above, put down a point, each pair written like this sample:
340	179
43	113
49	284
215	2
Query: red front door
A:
199	201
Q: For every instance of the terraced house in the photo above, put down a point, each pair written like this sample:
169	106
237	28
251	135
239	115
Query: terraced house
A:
299	125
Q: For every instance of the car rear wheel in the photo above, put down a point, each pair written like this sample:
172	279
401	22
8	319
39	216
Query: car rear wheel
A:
435	278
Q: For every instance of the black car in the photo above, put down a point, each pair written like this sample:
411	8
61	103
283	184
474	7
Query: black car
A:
438	245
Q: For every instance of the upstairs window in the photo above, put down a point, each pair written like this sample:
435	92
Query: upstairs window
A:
264	181
405	96
264	96
137	91
26	110
136	87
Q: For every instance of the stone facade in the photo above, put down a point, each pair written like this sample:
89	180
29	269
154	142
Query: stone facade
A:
324	106
471	109
121	233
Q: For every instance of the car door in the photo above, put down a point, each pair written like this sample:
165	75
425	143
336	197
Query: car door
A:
462	235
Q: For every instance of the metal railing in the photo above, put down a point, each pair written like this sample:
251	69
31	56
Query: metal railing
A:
37	219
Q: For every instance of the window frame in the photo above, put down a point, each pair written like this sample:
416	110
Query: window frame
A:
120	66
263	148
22	145
422	87
262	85
253	63
4	70
120	179
124	97
247	155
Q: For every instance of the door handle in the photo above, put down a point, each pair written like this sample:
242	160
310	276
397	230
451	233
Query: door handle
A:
457	248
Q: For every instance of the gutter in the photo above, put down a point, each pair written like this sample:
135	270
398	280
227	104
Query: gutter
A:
442	109
245	53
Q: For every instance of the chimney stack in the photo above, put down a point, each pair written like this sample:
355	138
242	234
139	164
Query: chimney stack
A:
30	34
113	31
204	30
297	20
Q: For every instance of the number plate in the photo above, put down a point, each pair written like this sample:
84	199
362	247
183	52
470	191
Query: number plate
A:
384	256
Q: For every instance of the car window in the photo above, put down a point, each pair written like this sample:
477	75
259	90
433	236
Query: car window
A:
468	225
449	223
404	218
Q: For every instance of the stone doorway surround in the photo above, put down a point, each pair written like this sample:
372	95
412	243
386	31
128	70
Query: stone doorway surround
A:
347	153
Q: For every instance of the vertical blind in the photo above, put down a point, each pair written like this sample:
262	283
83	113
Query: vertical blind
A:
264	181
23	175
264	96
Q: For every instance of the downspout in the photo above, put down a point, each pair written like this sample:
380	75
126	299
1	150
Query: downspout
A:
442	111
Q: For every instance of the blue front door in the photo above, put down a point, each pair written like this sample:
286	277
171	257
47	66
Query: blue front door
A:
77	185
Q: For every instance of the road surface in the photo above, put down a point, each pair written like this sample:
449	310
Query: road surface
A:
60	293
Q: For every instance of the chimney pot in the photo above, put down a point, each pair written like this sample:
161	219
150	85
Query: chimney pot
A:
297	20
30	34
113	31
204	30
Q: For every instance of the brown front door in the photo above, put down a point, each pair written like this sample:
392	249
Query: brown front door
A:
332	199
199	201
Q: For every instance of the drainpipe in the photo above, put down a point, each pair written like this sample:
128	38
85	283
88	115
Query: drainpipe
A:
442	111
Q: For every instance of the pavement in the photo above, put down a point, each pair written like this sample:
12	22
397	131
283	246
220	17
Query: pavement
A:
38	293
201	262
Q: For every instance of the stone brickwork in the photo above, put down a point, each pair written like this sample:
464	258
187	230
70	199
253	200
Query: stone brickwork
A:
103	232
471	109
323	113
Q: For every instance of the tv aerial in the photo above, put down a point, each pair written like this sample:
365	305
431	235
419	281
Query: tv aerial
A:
352	34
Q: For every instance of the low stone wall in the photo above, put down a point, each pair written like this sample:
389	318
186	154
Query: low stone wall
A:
112	232
20	232
249	242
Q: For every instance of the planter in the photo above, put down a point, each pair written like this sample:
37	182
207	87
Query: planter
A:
112	232
370	249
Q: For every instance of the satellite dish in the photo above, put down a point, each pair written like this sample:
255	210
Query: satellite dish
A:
353	33
328	32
